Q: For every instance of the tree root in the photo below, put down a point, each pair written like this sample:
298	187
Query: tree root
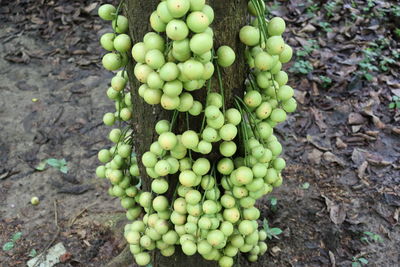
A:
124	259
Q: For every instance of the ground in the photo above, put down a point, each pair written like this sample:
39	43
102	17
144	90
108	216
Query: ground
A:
339	204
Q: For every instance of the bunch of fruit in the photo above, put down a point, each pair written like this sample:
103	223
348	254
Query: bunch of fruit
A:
212	211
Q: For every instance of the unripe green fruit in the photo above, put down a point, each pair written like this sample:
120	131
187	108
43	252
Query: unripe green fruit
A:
231	215
276	26
173	88
115	135
285	92
253	10
167	140
209	12
142	259
190	227
201	43
247	202
276	68
193	197
189	248
197	5
139	52
271	177
251	214
210	207
190	139
197	22
101	171
163	12
275	45
230	251
237	241
145	199
154	81
156	23
132	237
281	78
233	116
204	247
228	132
225	166
187	178
153	40
185	102
170	102
170	238
112	61
107	12
169	72
162	168
249	35
109	119
244	175
215	237
246	227
149	159
141	72
118	83
226	56
154	59
279	164
263	61
120	24
252	99
168	252
112	94
226	228
286	54
127	203
178	8
177	30
278	115
160	203
289	105
122	43
225	261
107	41
196	109
125	114
227	148
228	201
152	96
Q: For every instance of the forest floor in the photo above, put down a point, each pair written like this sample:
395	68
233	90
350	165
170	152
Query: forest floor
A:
339	204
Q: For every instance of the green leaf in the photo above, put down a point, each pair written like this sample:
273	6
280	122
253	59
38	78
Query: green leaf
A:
368	76
64	169
305	186
275	231
265	225
363	260
149	265
8	246
355	264
32	253
63	162
41	166
364	239
274	201
54	162
16	236
392	105
368	233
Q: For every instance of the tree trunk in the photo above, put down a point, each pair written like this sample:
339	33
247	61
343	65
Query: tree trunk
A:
230	16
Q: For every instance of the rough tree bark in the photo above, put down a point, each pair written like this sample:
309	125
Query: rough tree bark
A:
230	16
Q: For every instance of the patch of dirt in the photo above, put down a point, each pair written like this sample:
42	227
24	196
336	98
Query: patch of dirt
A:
343	141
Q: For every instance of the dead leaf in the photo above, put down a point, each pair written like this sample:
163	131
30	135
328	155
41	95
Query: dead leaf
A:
355	118
361	169
330	157
315	156
319	120
340	143
332	258
337	212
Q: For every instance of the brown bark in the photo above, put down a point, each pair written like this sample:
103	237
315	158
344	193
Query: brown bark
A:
230	16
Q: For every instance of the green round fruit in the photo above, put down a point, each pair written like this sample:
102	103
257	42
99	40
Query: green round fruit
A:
289	105
276	26
189	247
252	99
139	52
190	139
142	258
249	35
122	43
163	12
201	43
156	23
107	41
167	140
177	30
246	227
275	45
169	72
208	11
120	24
155	59
112	61
178	8
278	115
197	22
107	12
226	56
263	61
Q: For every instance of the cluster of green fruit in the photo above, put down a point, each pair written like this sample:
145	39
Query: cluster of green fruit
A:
212	211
